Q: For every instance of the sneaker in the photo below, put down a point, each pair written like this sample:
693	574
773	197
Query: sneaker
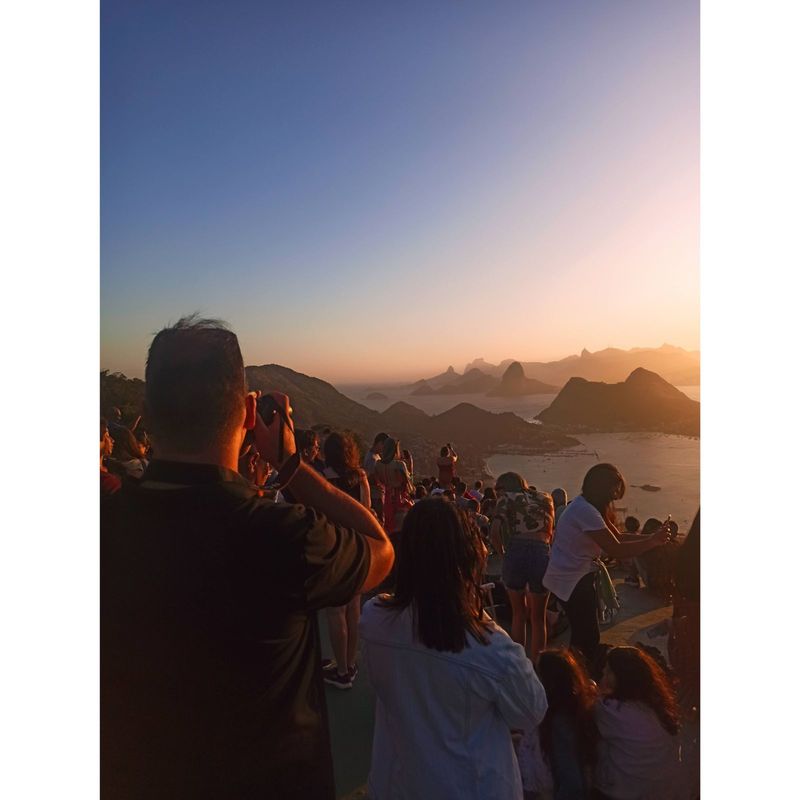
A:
333	678
353	673
328	664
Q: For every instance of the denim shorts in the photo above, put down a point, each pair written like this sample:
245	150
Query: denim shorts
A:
525	562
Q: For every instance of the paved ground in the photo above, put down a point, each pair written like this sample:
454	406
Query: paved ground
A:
351	711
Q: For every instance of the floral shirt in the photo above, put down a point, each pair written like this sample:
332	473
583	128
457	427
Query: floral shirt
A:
526	514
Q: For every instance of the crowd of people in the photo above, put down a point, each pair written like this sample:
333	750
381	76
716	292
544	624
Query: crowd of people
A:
225	532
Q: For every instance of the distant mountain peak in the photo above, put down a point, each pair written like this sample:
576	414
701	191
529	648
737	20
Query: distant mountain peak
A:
514	372
644	401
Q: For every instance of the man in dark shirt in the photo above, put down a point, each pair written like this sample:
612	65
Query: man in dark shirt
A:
210	678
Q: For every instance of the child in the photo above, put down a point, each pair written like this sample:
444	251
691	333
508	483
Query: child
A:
637	718
555	758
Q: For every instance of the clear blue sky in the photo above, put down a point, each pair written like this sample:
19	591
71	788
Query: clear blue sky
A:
379	189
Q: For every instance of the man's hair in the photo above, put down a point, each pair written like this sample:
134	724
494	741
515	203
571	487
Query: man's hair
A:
478	484
631	524
195	385
380	439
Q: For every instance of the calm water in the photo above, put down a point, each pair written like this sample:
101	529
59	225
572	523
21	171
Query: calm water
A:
671	462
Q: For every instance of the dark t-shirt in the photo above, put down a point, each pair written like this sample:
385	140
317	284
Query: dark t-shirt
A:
210	677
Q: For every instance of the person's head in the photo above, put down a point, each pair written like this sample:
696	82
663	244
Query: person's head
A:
440	560
106	442
461	487
489	494
126	447
114	415
632	524
632	675
323	432
559	497
602	485
426	482
377	443
651	526
478	486
449	494
307	442
341	453
420	492
570	693
511	482
195	391
445	451
391	450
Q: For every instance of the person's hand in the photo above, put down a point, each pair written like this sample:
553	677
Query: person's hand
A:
271	434
662	534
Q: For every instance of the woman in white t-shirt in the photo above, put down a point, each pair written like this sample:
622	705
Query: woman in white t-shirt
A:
584	532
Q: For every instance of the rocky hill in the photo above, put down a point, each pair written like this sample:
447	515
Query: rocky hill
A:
314	401
515	383
473	381
676	365
643	402
430	385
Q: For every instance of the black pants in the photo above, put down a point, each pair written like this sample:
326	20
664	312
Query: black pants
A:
582	615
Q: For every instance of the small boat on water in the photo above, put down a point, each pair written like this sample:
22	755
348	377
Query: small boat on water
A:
647	487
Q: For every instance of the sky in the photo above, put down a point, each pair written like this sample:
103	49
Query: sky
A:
374	191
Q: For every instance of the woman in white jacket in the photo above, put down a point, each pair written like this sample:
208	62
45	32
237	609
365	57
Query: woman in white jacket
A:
450	684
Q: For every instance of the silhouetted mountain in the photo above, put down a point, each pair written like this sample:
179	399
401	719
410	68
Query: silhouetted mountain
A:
376	397
674	364
422	388
436	382
472	382
483	429
403	416
643	402
315	402
515	384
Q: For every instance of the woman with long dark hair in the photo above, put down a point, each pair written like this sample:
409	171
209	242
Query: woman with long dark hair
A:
343	470
449	683
637	720
587	529
558	756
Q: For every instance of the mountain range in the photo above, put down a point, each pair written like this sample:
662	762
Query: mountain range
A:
474	431
644	401
677	366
